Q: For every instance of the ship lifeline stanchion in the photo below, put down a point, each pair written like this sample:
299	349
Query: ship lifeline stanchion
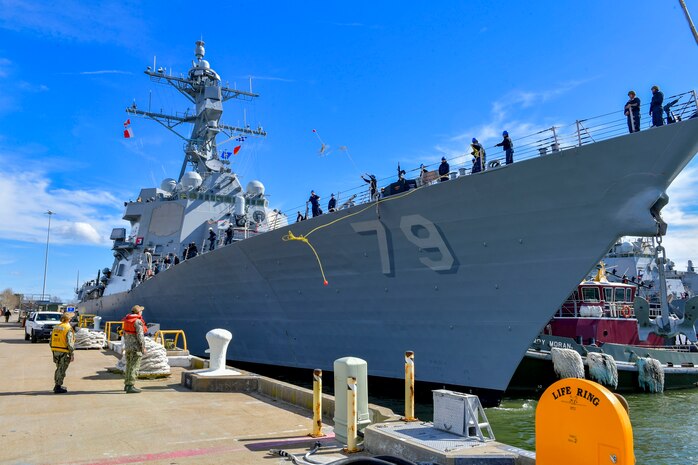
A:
409	387
317	404
352	419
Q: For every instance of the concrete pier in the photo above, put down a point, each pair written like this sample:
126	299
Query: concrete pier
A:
187	419
97	423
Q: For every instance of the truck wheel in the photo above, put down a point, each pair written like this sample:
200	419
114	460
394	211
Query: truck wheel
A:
26	336
33	337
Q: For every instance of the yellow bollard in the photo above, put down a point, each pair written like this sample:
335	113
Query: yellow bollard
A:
351	416
409	387
317	404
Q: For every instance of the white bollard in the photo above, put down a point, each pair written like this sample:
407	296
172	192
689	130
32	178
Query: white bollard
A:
218	340
350	367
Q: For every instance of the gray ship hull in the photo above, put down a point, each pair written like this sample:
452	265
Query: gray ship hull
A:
459	272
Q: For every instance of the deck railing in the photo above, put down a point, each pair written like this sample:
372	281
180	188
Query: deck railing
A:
543	142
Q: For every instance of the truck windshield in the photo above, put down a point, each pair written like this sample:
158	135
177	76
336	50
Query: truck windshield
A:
47	317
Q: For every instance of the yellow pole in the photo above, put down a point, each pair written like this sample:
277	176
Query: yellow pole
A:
409	386
351	415
317	404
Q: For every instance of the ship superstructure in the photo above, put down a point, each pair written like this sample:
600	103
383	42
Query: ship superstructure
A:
207	196
451	270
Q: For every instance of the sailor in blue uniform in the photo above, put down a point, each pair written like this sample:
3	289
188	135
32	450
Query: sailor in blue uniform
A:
508	146
656	107
315	203
632	111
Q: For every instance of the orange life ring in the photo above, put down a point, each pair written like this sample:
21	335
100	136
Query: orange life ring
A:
625	311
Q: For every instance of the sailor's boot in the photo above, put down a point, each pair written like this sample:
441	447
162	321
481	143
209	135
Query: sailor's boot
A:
59	389
131	389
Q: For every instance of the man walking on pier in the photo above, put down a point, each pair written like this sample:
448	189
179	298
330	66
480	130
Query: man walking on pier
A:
134	344
62	346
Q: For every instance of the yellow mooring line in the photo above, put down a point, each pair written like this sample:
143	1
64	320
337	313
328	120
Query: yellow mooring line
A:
304	238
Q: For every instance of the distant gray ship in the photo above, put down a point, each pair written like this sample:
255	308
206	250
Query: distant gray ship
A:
458	271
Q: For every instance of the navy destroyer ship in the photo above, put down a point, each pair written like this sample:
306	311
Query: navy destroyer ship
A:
457	271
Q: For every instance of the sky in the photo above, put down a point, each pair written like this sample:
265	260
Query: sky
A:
380	82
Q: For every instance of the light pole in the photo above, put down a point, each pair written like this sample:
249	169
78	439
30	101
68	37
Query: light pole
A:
48	234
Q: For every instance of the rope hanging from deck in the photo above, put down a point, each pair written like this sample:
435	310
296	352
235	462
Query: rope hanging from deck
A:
304	237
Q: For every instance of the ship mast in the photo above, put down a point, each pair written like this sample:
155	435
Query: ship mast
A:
688	18
202	87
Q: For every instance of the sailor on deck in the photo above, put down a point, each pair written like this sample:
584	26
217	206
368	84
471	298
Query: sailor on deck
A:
228	235
656	111
508	146
372	186
632	111
315	203
212	239
444	169
478	152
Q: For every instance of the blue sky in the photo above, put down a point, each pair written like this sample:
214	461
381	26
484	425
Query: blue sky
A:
391	81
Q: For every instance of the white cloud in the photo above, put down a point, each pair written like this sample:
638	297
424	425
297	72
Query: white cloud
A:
268	78
82	216
105	71
81	232
508	105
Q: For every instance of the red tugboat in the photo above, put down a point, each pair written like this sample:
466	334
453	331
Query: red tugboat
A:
620	330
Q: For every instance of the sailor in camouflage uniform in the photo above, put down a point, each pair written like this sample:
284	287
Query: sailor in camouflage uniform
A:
134	344
62	346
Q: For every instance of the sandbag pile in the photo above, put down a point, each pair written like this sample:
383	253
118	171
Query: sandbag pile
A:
153	363
89	339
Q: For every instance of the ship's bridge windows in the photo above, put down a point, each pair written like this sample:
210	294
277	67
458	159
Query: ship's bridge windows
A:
628	295
590	294
120	269
620	294
608	294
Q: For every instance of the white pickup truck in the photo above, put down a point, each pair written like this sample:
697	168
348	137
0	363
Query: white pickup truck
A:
40	324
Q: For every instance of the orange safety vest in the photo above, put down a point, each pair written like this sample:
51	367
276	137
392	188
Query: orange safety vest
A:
129	323
59	337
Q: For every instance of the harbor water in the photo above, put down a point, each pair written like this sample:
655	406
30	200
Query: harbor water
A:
665	426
